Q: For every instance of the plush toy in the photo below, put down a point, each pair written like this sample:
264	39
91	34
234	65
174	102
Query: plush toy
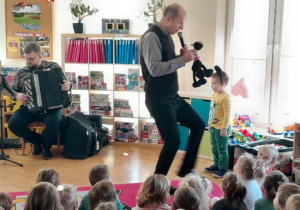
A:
199	70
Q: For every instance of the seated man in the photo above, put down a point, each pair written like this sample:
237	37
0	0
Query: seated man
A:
20	120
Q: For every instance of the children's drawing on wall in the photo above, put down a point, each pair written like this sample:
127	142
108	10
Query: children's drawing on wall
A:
27	15
13	44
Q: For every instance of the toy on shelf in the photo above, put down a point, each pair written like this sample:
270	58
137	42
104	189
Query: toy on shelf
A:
239	138
242	121
276	129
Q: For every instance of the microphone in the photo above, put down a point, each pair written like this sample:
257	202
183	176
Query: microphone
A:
181	38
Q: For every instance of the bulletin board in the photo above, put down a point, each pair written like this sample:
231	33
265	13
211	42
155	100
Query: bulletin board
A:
28	21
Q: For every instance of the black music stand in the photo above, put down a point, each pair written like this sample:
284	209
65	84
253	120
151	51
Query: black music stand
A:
4	84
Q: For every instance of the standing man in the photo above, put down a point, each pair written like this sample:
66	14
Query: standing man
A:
20	120
159	66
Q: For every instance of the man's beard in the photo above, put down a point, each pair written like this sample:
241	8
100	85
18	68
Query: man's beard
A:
32	68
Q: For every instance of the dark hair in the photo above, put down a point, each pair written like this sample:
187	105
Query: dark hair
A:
98	173
32	47
221	76
48	175
234	191
187	198
5	200
103	191
272	182
172	10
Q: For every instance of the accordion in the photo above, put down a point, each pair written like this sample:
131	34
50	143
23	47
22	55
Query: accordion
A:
44	90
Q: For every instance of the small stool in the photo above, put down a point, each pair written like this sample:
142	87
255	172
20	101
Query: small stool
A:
37	127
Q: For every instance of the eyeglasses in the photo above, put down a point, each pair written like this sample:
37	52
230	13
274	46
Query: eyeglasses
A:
30	59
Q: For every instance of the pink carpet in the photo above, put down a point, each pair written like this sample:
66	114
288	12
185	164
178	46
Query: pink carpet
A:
127	196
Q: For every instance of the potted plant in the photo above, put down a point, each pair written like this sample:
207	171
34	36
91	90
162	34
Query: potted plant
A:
80	10
152	10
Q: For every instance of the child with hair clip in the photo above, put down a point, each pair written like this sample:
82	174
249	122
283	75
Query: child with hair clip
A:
202	185
270	186
48	175
234	194
68	196
102	192
285	191
43	196
154	193
187	198
268	154
249	170
293	202
6	201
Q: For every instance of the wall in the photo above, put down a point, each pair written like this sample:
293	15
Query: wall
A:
205	22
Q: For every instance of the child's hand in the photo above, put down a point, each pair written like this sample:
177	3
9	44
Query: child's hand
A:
208	128
223	132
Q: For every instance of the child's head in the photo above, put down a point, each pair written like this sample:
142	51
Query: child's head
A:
106	206
68	196
6	201
43	196
284	192
272	182
187	198
268	154
103	191
201	184
234	190
154	190
48	175
99	173
293	202
247	167
219	81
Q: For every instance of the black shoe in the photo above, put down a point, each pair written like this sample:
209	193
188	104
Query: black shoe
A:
183	173
220	173
211	169
47	155
37	149
172	190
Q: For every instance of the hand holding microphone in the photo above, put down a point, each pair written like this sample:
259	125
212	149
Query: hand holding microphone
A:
187	55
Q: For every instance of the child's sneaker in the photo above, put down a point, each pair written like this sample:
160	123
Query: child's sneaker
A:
220	173
211	169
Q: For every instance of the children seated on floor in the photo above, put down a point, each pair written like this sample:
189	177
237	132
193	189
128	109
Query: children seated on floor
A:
270	185
154	193
102	192
285	191
67	196
6	201
293	202
187	198
48	175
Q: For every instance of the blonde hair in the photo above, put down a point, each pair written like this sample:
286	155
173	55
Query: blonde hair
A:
272	182
155	189
48	175
293	202
106	206
225	77
234	191
272	151
99	173
201	184
103	191
187	198
43	196
251	168
285	191
6	200
68	196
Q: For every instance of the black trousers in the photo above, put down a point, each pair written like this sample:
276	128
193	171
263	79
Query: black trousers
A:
167	111
18	124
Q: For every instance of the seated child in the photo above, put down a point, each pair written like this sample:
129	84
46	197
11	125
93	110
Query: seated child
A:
154	193
293	202
43	196
202	185
187	198
234	194
48	175
106	206
271	184
102	192
97	173
248	170
6	201
68	196
285	191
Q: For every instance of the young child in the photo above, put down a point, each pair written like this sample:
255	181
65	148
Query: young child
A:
43	196
6	201
248	170
219	124
268	154
293	202
48	175
102	192
202	185
187	198
234	194
106	206
271	184
285	191
97	173
68	196
154	193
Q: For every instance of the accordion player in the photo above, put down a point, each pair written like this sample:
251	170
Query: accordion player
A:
43	88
